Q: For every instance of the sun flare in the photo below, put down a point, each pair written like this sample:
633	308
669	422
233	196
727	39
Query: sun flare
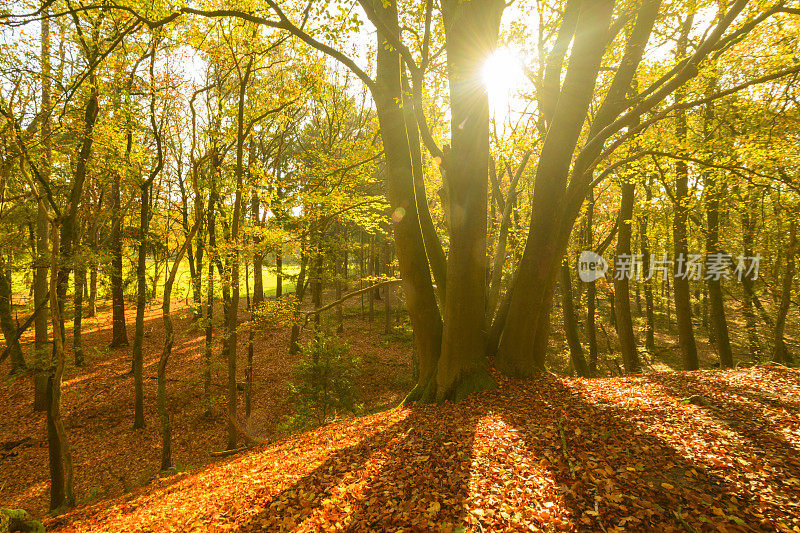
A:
503	76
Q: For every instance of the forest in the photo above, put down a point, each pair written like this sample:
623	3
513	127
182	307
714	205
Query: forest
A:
385	265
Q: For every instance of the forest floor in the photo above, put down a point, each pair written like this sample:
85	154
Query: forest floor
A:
705	450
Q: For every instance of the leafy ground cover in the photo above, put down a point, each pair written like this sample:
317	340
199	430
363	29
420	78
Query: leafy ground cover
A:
676	451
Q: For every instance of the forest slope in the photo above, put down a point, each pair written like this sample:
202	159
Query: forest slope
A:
673	450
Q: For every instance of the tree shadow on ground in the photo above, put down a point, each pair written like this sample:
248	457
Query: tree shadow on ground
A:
413	474
626	473
755	415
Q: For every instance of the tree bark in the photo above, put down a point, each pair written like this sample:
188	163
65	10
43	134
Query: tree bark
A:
471	32
622	299
524	342
119	333
683	305
401	195
644	242
141	303
77	302
571	324
41	345
713	191
7	322
780	353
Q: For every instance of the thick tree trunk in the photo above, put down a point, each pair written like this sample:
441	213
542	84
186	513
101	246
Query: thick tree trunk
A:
471	31
622	299
524	342
401	195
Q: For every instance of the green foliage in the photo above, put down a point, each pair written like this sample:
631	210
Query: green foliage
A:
18	520
324	382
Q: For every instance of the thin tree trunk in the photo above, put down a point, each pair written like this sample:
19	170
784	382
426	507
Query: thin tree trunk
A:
713	192
571	324
591	292
141	303
41	346
644	241
60	454
231	318
683	305
258	257
7	322
387	292
748	233
119	334
77	301
780	353
622	299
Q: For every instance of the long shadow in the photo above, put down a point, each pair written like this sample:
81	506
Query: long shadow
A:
413	474
625	476
746	418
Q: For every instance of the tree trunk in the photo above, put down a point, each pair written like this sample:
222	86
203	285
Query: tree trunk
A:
524	342
232	316
571	324
471	31
7	322
591	292
141	303
780	353
683	305
644	241
77	301
400	193
60	455
41	346
622	299
387	293
209	319
258	257
119	333
748	233
279	271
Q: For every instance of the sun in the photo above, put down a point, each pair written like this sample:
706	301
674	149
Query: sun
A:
502	75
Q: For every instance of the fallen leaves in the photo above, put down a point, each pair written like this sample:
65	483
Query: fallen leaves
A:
643	460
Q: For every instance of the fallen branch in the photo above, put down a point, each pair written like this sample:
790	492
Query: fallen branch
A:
679	517
564	448
25	326
225	453
347	297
